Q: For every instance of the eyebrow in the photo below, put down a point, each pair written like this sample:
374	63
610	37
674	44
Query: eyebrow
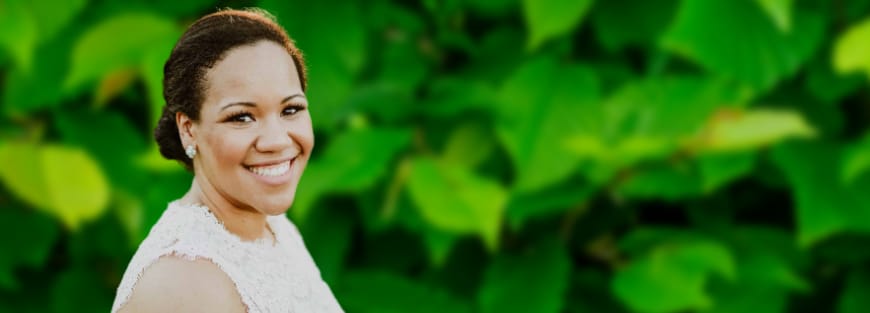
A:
252	105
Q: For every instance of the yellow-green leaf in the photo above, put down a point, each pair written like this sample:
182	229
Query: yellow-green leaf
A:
779	11
751	129
456	200
852	50
64	181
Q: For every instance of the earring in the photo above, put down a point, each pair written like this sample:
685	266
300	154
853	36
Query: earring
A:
190	151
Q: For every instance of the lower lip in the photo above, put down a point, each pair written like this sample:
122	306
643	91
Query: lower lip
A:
276	180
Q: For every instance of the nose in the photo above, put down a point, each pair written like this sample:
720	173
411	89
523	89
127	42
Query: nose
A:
274	137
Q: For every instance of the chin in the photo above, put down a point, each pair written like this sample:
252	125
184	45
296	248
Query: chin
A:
276	205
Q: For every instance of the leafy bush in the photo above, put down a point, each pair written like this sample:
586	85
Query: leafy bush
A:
476	155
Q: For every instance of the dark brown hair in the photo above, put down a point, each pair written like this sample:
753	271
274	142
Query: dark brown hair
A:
202	46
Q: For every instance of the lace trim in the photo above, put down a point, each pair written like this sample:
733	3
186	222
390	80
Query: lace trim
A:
277	276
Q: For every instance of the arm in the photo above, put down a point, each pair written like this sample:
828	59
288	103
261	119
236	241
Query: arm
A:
175	284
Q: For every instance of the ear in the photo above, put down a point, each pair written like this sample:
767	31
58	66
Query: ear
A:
186	129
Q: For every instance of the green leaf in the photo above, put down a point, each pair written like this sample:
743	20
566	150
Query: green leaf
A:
826	84
52	18
76	290
468	146
110	139
743	44
547	19
780	11
109	46
671	182
649	120
456	200
507	285
385	292
543	105
720	169
33	252
854	298
353	162
548	202
673	276
734	131
18	33
151	69
327	236
64	181
749	298
852	49
856	160
26	91
631	22
825	206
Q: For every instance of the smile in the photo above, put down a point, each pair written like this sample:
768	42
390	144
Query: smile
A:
273	170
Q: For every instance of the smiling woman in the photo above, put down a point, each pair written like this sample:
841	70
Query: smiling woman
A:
236	115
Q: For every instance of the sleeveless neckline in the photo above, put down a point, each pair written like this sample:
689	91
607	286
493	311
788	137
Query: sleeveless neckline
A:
235	239
277	276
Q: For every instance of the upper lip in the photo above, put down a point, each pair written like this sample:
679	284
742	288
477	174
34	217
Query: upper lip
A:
268	163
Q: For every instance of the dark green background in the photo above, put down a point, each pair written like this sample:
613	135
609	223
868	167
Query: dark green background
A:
474	155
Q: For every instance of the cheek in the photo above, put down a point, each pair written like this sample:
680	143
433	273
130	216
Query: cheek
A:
304	134
228	147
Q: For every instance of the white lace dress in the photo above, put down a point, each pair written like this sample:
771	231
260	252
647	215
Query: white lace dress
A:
279	277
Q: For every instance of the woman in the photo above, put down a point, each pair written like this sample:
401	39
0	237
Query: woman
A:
236	115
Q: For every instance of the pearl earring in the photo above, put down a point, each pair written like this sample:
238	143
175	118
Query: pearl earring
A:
190	151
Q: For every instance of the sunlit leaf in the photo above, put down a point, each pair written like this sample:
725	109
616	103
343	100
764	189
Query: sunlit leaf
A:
852	49
649	119
64	181
730	131
507	281
457	200
547	19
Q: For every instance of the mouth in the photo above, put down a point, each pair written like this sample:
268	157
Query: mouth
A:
272	170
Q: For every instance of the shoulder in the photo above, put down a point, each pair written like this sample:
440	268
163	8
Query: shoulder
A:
176	284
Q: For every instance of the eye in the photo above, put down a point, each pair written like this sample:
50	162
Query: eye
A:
240	117
293	109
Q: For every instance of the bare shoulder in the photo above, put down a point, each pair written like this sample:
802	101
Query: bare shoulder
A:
175	284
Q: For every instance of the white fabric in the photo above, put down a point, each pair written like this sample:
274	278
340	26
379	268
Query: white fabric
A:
270	277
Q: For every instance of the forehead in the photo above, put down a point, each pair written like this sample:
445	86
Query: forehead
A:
259	69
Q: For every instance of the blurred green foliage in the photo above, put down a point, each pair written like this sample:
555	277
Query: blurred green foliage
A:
476	155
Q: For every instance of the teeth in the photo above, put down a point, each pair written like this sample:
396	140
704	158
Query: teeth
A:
272	170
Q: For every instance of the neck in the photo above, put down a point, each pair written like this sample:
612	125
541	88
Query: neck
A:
245	222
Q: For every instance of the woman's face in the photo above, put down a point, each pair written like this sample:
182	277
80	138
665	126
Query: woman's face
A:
254	135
